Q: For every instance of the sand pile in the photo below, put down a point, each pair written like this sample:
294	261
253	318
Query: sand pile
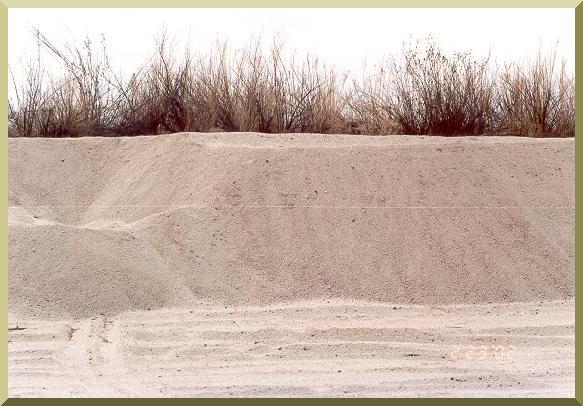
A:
103	225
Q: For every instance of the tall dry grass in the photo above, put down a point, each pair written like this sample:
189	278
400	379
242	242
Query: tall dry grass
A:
422	91
536	98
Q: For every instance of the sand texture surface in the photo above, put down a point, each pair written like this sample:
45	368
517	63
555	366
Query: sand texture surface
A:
291	265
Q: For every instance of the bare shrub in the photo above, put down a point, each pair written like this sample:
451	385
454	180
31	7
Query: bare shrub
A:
26	111
437	94
80	102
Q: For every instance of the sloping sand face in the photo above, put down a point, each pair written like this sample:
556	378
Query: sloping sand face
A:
99	227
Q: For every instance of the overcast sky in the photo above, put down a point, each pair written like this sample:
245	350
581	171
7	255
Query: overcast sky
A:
344	38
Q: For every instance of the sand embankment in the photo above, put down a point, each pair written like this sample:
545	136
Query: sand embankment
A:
105	225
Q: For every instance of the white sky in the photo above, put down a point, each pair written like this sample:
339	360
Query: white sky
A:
344	38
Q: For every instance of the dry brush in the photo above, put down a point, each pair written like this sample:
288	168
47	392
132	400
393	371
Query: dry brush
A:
423	90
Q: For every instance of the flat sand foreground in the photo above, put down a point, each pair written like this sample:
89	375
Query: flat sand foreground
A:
319	348
291	265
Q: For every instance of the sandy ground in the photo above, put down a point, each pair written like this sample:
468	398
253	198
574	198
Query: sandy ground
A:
291	265
323	348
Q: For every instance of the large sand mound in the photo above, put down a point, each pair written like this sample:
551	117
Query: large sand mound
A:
103	225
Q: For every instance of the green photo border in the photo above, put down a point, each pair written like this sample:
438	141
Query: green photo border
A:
6	4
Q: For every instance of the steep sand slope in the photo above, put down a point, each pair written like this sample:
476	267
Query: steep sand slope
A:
101	226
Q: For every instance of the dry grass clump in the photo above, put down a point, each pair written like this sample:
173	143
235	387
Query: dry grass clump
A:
425	91
155	99
370	104
252	91
537	99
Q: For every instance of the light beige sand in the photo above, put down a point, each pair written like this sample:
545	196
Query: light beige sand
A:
309	241
319	348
